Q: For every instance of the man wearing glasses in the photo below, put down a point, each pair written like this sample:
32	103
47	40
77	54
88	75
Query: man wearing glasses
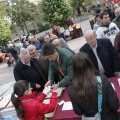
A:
29	69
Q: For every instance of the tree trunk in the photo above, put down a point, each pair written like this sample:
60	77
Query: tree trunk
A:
78	10
23	30
25	27
84	8
74	15
34	25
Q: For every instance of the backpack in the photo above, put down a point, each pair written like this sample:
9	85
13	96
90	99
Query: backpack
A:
97	116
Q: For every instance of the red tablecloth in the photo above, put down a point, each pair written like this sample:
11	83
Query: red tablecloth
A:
114	80
69	114
65	115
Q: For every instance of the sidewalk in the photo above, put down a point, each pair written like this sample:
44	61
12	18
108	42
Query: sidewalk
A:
6	89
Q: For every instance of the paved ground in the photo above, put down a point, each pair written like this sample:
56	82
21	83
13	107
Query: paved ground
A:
6	73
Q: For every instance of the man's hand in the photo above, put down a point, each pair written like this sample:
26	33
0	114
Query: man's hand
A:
55	90
48	83
38	86
55	87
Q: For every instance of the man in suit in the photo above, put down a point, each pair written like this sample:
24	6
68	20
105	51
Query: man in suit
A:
117	43
102	53
44	63
29	69
60	61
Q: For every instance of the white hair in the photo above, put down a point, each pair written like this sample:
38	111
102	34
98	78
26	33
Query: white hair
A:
31	46
116	5
117	10
23	51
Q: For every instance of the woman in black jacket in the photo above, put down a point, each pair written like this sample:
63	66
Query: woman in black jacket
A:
83	91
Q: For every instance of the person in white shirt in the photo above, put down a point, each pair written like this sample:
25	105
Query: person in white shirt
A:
107	29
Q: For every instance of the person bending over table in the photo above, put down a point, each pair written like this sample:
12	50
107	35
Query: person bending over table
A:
60	62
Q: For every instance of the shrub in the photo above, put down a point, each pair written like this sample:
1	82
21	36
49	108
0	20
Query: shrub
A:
47	26
33	31
42	27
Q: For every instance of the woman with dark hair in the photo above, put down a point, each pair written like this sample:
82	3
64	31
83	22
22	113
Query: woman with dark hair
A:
27	106
83	91
97	12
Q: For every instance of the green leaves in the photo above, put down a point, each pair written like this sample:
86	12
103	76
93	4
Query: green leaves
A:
56	11
5	32
76	3
21	11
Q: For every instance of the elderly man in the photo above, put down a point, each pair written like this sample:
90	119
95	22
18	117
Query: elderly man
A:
60	43
47	39
107	29
117	43
102	53
60	61
29	69
117	19
116	6
44	63
35	42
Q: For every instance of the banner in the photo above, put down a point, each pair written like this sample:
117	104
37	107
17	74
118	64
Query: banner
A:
115	1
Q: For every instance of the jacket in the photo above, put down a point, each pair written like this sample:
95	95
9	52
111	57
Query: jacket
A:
21	72
34	108
110	102
107	55
65	58
117	43
116	22
44	63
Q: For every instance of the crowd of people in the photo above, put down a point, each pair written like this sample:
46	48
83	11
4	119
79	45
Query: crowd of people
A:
47	63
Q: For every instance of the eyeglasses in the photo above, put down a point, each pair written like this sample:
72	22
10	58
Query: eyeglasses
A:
26	59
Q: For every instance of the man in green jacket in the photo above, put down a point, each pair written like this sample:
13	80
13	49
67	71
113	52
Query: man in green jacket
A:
60	61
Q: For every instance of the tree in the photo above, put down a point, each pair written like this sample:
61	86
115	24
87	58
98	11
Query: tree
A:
2	11
88	2
56	12
21	11
5	32
76	4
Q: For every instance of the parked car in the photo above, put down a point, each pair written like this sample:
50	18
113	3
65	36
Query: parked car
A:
17	42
